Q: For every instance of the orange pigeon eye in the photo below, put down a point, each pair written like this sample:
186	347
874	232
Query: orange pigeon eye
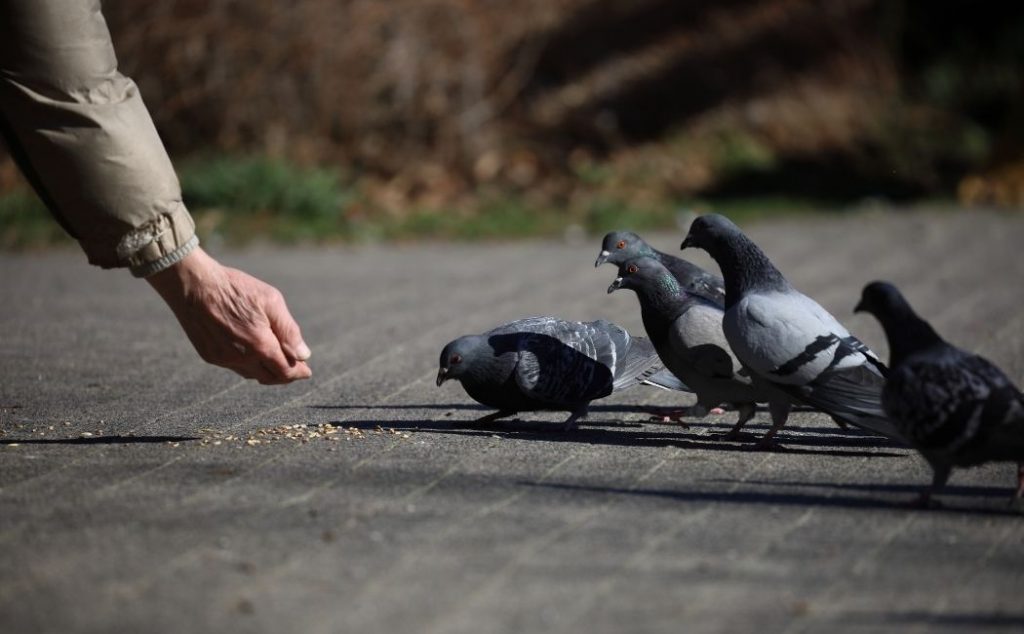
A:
632	268
621	244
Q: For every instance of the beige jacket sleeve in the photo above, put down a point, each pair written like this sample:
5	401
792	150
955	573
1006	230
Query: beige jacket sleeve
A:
83	137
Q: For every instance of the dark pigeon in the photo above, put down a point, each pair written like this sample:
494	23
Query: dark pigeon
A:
788	339
954	407
686	330
544	363
620	246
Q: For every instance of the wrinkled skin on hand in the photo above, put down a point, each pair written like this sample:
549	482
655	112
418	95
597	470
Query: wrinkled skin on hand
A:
234	320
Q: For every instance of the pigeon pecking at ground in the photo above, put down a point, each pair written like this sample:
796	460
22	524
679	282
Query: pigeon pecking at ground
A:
545	363
788	339
954	407
686	331
620	246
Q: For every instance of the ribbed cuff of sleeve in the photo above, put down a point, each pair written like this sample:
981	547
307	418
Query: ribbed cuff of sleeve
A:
155	266
165	239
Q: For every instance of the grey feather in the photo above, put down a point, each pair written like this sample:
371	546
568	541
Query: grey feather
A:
619	247
545	363
956	408
786	338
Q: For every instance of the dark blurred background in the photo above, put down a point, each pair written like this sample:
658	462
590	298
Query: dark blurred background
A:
354	118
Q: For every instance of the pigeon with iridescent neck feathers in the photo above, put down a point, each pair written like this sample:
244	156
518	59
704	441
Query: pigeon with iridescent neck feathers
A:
686	330
620	246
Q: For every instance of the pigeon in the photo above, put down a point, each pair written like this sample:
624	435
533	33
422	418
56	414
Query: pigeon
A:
956	408
786	338
545	363
686	330
620	246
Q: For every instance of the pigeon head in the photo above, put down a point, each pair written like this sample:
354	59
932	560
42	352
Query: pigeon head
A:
645	275
708	231
904	329
459	357
744	265
619	246
880	298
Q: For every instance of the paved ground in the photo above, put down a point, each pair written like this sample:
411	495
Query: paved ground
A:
132	501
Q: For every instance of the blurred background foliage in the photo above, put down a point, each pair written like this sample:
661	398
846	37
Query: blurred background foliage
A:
355	119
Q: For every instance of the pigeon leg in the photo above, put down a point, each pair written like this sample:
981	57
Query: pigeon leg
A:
571	422
675	415
779	410
746	412
940	474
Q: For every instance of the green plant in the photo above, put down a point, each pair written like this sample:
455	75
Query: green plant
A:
25	222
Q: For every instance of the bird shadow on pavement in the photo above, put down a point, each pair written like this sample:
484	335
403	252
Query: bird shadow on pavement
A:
634	409
613	434
956	621
512	424
771	498
630	409
876	487
97	440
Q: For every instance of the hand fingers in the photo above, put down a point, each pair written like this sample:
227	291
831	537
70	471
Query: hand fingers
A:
258	355
254	369
286	329
273	377
268	353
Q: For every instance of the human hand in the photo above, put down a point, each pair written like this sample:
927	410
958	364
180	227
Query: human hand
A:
234	320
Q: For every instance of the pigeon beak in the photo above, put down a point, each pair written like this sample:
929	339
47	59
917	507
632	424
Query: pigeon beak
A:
601	259
686	243
442	376
615	285
859	307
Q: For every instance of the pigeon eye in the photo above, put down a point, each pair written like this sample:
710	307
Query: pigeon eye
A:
632	269
456	359
621	244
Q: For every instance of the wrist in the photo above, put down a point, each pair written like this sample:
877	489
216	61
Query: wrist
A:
190	272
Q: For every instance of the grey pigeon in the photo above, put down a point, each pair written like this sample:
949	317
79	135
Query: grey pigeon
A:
620	246
686	330
954	407
788	339
545	363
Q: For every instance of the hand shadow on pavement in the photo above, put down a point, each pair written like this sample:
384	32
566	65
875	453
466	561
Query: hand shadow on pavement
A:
97	440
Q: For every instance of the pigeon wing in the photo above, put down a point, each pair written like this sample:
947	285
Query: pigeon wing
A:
640	364
788	338
948	398
794	343
697	335
560	363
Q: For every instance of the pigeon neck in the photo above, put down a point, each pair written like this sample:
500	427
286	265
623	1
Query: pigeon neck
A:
746	268
906	332
647	250
663	297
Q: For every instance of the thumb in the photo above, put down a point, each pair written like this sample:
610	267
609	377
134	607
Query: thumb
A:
286	329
